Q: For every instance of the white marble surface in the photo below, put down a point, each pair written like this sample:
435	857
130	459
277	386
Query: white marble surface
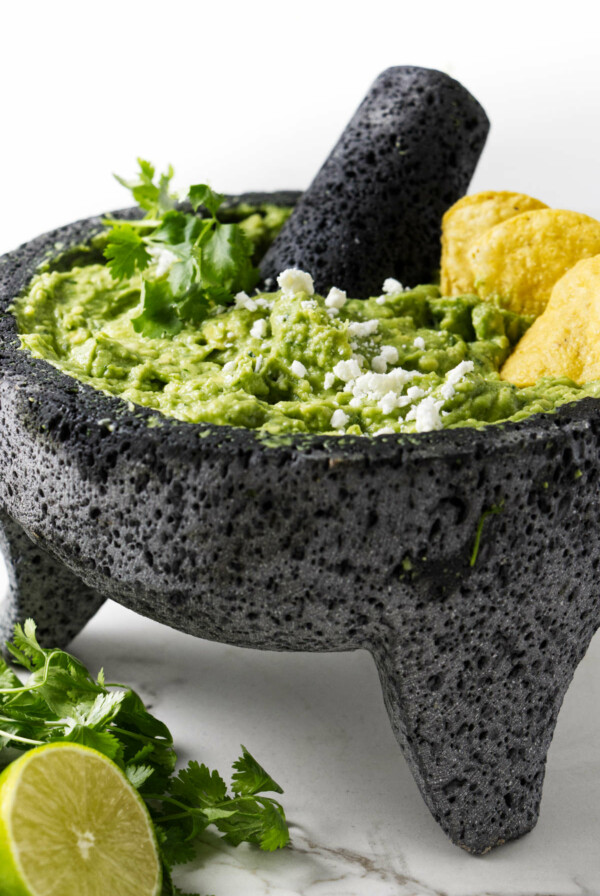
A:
359	826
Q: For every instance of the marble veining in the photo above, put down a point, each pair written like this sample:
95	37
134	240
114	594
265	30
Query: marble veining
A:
359	826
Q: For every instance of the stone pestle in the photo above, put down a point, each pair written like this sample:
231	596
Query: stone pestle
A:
374	209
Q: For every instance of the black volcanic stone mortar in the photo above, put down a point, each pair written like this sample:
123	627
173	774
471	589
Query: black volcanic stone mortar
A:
322	543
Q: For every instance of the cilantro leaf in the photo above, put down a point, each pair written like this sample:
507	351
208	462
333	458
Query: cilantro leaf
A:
250	777
177	228
198	302
65	685
174	844
103	710
134	715
199	785
102	741
209	261
226	259
182	280
126	251
201	194
25	647
8	679
155	199
274	834
158	317
243	817
138	774
61	701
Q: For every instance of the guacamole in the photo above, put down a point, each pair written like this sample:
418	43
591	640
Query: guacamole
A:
290	361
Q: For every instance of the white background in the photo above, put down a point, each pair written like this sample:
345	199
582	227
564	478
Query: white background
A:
252	95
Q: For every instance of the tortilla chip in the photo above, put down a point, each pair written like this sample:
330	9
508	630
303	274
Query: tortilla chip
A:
520	260
565	339
464	222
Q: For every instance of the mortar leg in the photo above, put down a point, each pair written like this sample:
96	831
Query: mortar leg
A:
477	755
42	588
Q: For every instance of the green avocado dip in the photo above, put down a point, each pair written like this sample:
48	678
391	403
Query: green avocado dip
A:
290	361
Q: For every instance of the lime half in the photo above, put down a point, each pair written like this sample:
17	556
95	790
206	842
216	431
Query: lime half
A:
71	824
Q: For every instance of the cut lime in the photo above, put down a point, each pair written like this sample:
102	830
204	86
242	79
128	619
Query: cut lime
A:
71	824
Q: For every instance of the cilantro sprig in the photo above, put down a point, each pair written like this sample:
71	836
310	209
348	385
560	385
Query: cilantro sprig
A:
61	701
206	262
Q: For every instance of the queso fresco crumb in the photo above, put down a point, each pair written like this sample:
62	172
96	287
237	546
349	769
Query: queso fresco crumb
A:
292	361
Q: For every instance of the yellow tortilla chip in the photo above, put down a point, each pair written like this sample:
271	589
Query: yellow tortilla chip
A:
520	260
565	339
467	220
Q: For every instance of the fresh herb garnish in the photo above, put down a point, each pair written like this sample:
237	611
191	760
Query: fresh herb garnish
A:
496	508
201	263
61	701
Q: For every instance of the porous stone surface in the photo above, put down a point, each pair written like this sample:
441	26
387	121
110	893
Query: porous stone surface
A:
328	543
50	593
374	209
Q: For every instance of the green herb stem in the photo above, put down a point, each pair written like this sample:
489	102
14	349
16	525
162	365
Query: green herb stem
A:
138	223
143	738
33	687
61	702
21	740
491	512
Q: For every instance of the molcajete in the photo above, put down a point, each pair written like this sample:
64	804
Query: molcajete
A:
476	621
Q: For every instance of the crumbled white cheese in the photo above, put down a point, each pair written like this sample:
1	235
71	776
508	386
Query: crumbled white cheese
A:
339	419
454	377
333	312
329	380
392	286
373	386
165	259
389	353
336	298
259	328
347	370
415	392
419	342
384	431
294	281
307	304
381	300
360	359
229	367
427	415
363	327
388	402
258	364
243	300
298	369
